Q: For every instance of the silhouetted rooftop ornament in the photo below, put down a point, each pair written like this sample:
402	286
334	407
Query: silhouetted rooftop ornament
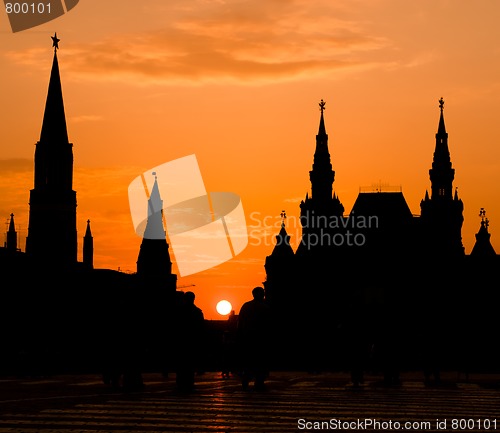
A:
322	105
283	217
484	220
441	103
55	42
381	187
483	248
441	133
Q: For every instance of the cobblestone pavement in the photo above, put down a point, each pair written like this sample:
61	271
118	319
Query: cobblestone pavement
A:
293	402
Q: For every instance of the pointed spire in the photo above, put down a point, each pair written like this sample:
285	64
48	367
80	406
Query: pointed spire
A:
88	248
441	174
322	136
282	247
442	135
12	235
322	129
11	223
456	194
426	195
88	233
441	127
153	262
54	119
322	175
154	225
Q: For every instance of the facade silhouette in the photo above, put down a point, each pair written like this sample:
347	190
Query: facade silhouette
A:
408	273
402	283
64	313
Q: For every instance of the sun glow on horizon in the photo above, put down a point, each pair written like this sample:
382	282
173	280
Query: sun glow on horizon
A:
224	307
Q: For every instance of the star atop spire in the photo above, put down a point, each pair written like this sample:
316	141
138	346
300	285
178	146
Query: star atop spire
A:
55	42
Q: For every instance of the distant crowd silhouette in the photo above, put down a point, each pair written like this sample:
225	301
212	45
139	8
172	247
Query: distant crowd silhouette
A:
246	347
249	346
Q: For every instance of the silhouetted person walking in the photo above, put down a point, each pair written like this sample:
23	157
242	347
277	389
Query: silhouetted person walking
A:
431	348
190	342
121	342
253	340
357	348
388	345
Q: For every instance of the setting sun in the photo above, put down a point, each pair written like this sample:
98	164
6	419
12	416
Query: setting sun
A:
224	307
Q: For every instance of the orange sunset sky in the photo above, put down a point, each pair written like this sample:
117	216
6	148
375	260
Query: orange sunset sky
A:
237	83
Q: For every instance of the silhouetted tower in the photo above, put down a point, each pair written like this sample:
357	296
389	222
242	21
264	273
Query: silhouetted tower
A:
11	243
88	248
316	210
483	248
442	212
153	262
279	268
52	235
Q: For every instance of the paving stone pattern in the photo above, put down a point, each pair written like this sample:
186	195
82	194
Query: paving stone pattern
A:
293	402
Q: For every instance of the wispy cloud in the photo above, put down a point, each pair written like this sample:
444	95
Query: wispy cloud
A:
240	41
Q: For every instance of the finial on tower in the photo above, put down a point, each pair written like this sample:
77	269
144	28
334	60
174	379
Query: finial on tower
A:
441	104
484	220
283	217
482	214
55	42
322	106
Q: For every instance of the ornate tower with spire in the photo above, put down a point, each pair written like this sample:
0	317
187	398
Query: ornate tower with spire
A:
442	212
153	263
279	266
317	210
322	175
52	234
